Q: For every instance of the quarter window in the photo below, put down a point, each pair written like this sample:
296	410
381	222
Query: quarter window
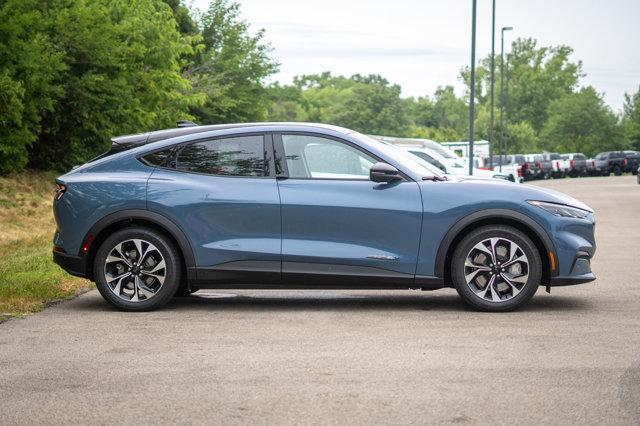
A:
323	158
236	156
158	158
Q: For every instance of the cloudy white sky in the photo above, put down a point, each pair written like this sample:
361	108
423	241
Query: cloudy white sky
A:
422	44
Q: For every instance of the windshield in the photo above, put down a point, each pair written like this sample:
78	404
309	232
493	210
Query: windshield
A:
416	164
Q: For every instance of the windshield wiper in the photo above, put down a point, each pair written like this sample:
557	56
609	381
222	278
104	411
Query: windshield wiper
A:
435	178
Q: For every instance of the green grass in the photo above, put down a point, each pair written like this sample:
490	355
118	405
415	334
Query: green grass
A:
28	277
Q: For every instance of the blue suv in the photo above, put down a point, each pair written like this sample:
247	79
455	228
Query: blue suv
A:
311	206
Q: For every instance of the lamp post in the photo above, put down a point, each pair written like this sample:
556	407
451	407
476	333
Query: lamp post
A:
473	85
502	96
493	75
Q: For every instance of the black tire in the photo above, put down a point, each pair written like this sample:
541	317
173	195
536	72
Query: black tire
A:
173	270
617	171
499	231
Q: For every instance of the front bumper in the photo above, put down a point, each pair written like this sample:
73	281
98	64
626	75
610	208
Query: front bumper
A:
74	265
572	280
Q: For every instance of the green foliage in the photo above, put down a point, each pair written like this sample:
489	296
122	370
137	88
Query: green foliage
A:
30	68
445	112
520	138
631	119
581	122
122	76
231	68
368	104
535	76
74	73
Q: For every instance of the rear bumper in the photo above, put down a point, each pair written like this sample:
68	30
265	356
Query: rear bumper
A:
74	265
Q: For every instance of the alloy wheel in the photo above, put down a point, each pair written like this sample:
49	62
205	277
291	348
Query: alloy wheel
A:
135	270
496	269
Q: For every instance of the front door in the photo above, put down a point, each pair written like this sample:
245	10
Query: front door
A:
339	226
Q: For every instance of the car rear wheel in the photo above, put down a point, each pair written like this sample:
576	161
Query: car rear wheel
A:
137	269
617	171
496	268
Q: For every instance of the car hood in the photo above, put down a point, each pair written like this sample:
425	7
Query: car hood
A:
510	191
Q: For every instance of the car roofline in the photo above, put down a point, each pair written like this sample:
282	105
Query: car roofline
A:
139	139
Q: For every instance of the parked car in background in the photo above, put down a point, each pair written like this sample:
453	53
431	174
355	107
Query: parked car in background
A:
447	166
512	164
282	205
632	161
539	165
512	171
575	164
591	167
549	163
610	162
421	143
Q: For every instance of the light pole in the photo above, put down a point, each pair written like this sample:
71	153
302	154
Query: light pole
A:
502	97
473	85
493	75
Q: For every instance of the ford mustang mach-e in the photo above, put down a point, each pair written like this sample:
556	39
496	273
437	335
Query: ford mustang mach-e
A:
286	205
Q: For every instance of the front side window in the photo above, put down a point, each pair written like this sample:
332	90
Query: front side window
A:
323	158
234	156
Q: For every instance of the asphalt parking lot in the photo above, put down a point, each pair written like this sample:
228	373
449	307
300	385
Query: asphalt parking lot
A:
346	356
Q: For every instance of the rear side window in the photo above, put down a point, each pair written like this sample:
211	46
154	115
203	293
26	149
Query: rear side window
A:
157	159
235	156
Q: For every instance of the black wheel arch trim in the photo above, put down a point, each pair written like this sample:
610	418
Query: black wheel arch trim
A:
158	219
482	215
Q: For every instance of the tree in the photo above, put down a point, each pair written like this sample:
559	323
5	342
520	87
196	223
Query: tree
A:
631	119
231	67
367	103
122	75
31	68
536	77
581	122
371	105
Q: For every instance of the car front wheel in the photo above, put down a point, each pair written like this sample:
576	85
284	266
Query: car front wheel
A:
137	269
496	268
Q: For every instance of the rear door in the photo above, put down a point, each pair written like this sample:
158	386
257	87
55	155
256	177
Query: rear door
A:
338	227
222	192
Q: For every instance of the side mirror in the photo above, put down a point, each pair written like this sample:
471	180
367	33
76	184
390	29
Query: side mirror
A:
383	172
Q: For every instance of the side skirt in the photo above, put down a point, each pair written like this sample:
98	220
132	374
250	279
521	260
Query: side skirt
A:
303	275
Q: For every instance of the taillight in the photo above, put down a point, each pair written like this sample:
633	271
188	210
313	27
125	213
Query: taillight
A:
527	166
519	171
625	162
571	163
539	164
87	243
60	190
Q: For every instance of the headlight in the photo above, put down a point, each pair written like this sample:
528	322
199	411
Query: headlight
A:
561	210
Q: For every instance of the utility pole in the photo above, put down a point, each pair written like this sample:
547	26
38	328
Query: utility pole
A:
502	98
493	76
473	85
